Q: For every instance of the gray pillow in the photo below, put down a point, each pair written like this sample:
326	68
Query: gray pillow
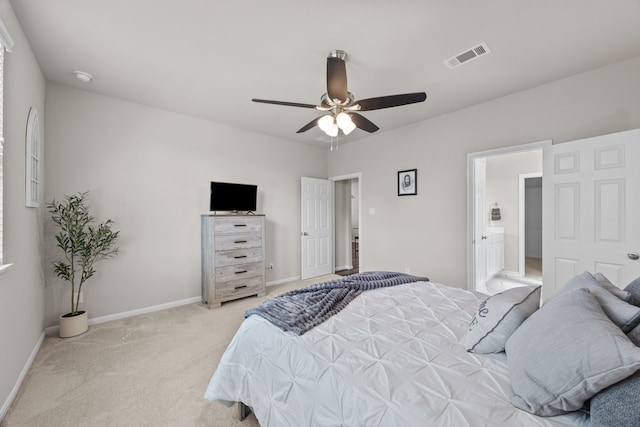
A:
565	353
634	289
605	283
617	405
634	335
498	316
623	314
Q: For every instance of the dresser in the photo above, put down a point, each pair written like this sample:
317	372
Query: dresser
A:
233	263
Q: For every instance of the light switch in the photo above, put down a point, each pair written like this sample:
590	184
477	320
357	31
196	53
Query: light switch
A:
372	211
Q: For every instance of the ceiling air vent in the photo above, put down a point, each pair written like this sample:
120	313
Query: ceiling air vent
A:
467	55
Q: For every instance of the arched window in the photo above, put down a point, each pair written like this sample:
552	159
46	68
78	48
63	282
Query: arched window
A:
32	166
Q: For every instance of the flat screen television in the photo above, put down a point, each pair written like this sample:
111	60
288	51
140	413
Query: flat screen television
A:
226	196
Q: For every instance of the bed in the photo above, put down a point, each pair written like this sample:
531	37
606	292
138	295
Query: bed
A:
392	357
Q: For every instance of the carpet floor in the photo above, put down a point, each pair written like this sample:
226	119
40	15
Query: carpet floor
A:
147	370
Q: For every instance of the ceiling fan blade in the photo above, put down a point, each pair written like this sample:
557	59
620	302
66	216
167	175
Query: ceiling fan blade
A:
289	104
390	101
309	125
363	123
337	79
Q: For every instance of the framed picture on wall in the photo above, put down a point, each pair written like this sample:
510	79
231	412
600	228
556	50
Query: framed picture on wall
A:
408	182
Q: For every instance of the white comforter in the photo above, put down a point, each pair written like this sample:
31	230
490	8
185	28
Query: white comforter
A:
391	358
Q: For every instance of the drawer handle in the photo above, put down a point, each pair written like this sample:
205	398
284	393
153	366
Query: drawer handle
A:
239	225
240	287
240	241
240	256
241	272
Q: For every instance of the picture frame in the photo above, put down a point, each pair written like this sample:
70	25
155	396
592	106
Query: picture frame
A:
408	182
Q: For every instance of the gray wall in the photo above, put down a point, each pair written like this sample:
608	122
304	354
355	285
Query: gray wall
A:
22	286
533	218
428	232
149	170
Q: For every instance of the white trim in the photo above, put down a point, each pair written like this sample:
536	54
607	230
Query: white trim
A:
281	281
521	230
52	330
5	37
471	157
4	268
23	374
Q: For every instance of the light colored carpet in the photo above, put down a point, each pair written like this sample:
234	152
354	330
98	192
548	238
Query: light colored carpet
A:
147	370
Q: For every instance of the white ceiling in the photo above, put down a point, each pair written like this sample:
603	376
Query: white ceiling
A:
208	58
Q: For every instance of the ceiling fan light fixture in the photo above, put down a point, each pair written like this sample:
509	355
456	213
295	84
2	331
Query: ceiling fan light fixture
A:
333	130
325	122
343	120
348	129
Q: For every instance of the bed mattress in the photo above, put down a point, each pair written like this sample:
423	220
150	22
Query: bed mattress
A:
392	357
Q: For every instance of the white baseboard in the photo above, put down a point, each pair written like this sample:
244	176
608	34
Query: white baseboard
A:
23	373
281	281
514	275
52	330
508	273
344	267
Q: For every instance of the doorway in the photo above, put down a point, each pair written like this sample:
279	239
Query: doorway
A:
347	231
496	216
530	220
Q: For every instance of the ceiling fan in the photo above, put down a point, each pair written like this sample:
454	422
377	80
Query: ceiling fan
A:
339	104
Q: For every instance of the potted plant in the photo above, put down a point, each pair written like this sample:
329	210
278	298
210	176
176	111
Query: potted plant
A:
84	244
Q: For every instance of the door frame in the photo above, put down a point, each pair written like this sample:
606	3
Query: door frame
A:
349	176
471	158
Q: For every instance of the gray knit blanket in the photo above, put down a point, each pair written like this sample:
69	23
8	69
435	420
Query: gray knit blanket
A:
300	310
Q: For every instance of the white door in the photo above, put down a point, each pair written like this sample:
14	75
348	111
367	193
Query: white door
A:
480	225
317	227
591	203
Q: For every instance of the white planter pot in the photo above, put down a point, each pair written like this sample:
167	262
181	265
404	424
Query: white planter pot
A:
70	326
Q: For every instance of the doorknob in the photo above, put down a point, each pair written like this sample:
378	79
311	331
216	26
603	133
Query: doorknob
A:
633	256
484	237
304	233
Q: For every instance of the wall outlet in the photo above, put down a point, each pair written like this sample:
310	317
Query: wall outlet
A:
407	270
75	297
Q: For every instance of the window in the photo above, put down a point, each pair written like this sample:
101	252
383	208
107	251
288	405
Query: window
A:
6	44
1	155
32	156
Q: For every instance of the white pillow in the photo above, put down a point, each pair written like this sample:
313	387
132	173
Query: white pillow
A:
498	317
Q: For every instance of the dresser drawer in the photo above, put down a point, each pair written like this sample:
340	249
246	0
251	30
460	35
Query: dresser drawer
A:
236	272
238	256
238	225
239	288
228	242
